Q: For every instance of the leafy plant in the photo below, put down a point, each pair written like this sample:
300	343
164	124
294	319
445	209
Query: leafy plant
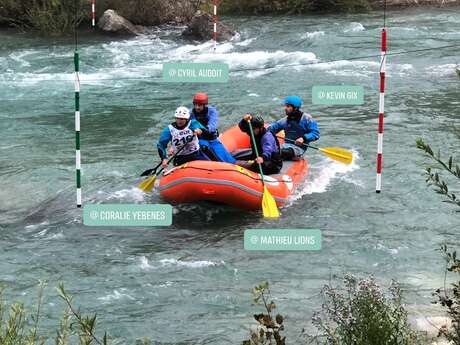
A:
450	298
362	314
447	298
18	328
50	17
269	328
433	177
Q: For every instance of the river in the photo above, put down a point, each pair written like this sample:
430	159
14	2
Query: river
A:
191	283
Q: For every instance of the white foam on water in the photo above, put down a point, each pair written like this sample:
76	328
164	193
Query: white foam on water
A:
170	262
391	251
348	68
133	194
354	27
117	295
19	57
400	69
41	233
145	263
441	70
190	264
246	42
34	78
312	35
322	174
36	226
163	285
116	173
257	59
56	236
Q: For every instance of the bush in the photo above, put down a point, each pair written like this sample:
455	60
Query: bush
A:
450	298
269	327
363	315
51	17
447	298
18	328
292	6
434	179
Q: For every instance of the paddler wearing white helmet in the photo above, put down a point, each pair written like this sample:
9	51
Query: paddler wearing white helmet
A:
183	135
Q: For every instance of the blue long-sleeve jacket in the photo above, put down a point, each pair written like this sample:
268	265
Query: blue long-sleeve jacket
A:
166	137
212	118
309	128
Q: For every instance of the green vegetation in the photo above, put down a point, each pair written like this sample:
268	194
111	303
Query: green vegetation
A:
57	17
292	6
51	17
19	328
357	313
360	313
433	178
269	327
448	298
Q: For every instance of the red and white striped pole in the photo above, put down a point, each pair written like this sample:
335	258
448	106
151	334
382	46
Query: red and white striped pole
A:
215	19
93	12
378	186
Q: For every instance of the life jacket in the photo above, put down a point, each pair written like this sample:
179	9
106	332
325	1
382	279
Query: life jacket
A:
184	136
276	156
203	118
293	128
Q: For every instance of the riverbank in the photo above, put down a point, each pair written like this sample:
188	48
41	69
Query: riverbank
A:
61	16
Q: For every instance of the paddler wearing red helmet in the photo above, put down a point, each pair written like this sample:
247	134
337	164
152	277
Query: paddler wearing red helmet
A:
208	116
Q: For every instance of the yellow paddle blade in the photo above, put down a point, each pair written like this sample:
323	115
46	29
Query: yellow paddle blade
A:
147	184
269	207
338	154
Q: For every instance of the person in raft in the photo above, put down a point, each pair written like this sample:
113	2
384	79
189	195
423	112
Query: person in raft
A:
298	126
183	131
208	116
267	144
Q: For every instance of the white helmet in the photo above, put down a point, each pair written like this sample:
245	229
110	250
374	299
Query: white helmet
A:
182	113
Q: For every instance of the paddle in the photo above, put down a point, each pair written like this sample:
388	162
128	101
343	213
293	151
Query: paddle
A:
147	184
151	171
336	153
269	208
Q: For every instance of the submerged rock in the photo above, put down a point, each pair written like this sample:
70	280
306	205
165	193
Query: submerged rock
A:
201	28
112	22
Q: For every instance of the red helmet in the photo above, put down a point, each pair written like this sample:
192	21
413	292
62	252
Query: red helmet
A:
200	98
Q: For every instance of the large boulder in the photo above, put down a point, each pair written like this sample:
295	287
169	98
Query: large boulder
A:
201	28
111	22
155	12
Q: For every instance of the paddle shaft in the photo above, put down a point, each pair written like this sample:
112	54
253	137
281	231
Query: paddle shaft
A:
153	171
257	151
293	141
173	156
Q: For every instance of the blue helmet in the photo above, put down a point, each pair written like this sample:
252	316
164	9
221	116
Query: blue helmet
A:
295	101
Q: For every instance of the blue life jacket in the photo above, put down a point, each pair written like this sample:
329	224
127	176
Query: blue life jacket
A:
293	128
202	117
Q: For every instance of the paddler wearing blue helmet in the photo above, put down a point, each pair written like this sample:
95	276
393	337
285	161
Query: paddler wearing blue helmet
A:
299	128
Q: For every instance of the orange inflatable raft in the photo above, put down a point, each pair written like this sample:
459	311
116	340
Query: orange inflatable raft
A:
228	183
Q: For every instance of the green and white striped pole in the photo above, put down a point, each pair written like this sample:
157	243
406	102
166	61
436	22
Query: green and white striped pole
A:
77	125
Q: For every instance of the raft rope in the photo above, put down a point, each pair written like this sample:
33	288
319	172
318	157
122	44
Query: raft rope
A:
93	13
77	110
378	182
214	20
